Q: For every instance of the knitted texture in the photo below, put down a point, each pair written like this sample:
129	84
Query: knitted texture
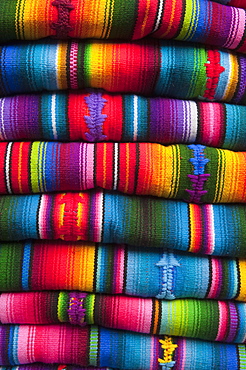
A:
189	20
143	67
209	320
237	3
39	366
119	269
194	173
114	218
97	116
89	346
118	349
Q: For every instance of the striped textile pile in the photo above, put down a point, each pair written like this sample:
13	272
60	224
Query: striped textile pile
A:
123	184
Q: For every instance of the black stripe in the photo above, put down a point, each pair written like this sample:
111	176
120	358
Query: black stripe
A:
156	16
5	169
210	279
126	252
95	277
239	279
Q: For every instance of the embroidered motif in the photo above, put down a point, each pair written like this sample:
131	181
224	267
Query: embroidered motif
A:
63	26
76	310
199	177
168	263
213	71
169	347
70	229
95	121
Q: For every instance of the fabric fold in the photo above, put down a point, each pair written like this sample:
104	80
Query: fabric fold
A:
101	216
96	346
95	116
236	3
222	321
119	269
39	366
193	173
147	67
197	21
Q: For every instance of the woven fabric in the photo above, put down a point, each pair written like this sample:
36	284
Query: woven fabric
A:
144	67
39	366
194	173
203	319
97	116
117	349
106	217
203	21
237	3
119	269
90	346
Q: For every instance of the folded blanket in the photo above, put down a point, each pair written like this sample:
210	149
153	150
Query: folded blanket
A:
22	344
106	217
119	269
202	319
39	366
143	67
97	116
194	173
187	20
237	3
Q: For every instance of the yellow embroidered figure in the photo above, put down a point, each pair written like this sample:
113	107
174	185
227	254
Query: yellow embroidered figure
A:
169	348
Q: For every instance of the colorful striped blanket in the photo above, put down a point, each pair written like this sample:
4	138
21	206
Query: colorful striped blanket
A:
143	67
208	320
119	269
194	173
99	116
96	346
189	20
106	217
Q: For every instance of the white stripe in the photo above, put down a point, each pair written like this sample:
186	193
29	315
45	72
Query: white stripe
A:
89	165
116	151
186	120
193	121
158	21
2	132
236	29
135	120
53	115
230	74
8	167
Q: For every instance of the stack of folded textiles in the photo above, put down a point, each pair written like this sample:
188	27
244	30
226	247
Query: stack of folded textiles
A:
123	184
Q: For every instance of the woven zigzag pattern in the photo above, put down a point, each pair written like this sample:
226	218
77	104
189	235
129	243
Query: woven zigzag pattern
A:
203	21
101	347
119	269
121	118
144	67
209	320
194	173
106	217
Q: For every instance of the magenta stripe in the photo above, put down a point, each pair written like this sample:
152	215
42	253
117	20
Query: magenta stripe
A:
74	65
216	278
